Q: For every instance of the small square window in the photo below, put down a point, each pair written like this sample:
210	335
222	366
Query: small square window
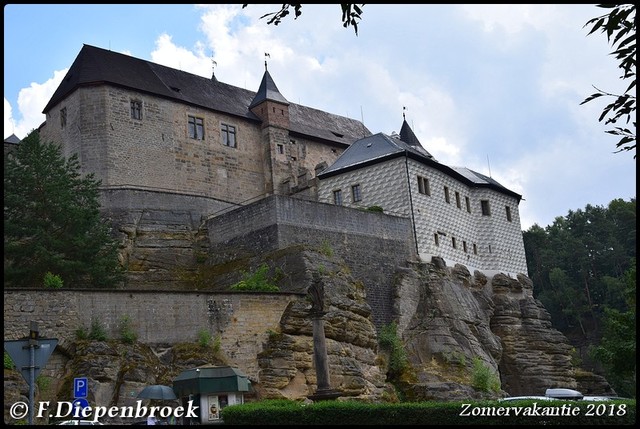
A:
136	109
464	246
475	249
458	200
453	242
446	194
228	135
436	239
508	209
280	149
195	128
468	203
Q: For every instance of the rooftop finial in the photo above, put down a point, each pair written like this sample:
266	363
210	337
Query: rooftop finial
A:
403	109
213	68
265	60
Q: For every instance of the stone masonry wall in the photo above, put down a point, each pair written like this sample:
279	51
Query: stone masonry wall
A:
241	320
372	244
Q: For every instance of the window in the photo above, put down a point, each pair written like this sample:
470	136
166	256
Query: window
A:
63	117
280	149
464	246
458	199
196	128
436	239
508	213
423	185
468	203
136	109
337	197
356	193
475	249
484	205
446	194
228	135
453	242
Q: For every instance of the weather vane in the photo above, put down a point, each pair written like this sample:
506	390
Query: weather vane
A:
403	109
265	60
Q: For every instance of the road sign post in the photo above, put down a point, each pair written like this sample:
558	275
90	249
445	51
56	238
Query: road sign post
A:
30	355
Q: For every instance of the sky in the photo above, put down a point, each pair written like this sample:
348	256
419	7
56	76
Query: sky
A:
494	88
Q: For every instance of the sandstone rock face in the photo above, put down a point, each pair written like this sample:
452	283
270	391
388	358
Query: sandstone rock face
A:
450	323
449	318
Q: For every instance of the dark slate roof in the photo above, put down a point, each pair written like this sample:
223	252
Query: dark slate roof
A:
267	91
381	147
95	66
13	139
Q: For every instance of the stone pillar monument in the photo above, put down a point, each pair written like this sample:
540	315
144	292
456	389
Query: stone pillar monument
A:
323	391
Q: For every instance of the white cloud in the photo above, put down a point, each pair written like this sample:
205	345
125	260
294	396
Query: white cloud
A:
31	102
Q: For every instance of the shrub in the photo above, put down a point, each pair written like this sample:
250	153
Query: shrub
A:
259	281
97	331
389	341
127	333
52	281
204	338
483	378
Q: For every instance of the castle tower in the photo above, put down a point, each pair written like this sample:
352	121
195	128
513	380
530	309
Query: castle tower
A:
273	109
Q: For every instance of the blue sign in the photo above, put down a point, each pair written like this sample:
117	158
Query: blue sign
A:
80	388
78	405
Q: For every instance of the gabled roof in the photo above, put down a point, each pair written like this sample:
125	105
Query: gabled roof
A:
13	139
96	66
380	147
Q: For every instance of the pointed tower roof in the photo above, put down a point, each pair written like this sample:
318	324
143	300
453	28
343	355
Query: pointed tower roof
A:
407	136
267	91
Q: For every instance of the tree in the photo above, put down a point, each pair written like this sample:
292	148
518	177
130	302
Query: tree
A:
351	14
52	223
617	350
620	27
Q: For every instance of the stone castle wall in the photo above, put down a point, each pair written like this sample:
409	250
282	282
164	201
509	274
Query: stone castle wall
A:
372	244
241	320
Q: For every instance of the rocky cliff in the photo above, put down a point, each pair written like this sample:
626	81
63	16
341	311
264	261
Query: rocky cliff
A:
453	326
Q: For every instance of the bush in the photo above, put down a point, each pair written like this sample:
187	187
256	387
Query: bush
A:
259	281
127	334
97	331
483	378
52	281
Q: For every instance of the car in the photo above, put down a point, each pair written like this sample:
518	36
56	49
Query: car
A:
567	394
78	422
528	398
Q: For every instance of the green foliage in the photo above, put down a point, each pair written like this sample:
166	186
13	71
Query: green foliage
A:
351	14
258	281
81	333
617	350
97	332
52	281
204	338
377	209
326	249
52	220
483	378
441	413
127	333
620	27
388	340
8	362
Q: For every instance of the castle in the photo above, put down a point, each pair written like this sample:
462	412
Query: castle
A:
146	130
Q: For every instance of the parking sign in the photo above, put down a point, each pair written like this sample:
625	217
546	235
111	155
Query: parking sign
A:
80	387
